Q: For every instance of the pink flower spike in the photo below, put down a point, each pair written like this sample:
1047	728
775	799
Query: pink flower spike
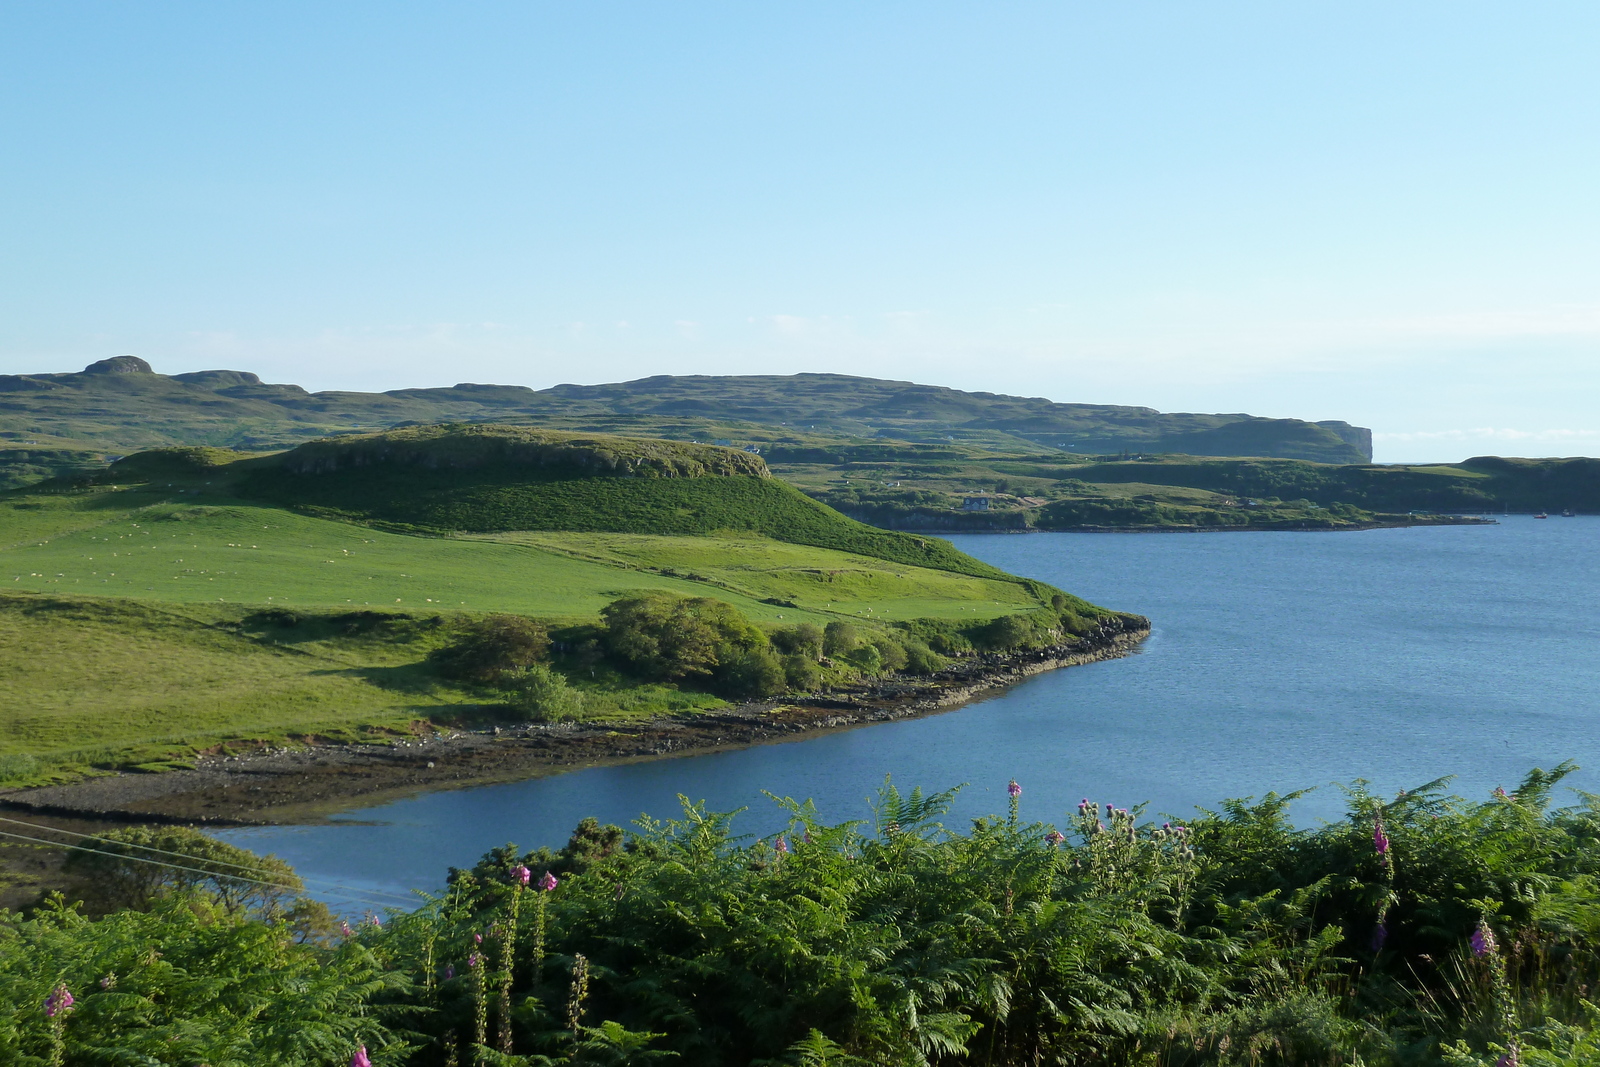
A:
477	939
1054	838
548	882
344	928
1013	790
1380	840
59	1002
782	846
521	874
472	960
1482	940
361	1059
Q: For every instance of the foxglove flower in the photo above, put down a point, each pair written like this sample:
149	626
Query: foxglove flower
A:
1380	840
521	874
473	960
548	882
1379	935
1013	790
477	939
449	971
59	1002
782	846
360	1059
1482	940
344	928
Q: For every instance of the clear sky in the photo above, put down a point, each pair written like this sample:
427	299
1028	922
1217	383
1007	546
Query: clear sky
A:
1386	213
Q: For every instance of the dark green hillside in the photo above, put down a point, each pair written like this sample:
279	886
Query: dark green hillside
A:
121	404
496	478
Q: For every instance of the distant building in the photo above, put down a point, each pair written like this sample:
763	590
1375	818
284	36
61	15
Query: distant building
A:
752	448
975	503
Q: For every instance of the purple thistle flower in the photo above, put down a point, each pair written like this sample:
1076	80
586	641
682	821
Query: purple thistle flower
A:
1054	838
1166	826
1482	940
59	1002
1109	808
521	874
548	882
782	846
360	1059
1013	790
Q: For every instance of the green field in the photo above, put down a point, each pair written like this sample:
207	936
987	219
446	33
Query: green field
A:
142	621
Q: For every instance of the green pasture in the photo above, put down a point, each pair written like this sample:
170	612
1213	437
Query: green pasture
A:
817	581
118	682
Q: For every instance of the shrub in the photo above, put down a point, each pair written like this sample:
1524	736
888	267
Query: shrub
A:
751	674
920	659
540	694
865	658
891	653
667	637
801	673
806	639
17	766
491	646
117	874
1006	632
840	637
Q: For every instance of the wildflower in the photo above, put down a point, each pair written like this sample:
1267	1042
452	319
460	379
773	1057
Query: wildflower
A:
1054	838
59	1002
344	928
477	939
1380	934
1013	790
1380	840
375	921
782	846
807	837
548	882
449	971
109	981
1166	826
360	1059
1482	940
521	874
473	961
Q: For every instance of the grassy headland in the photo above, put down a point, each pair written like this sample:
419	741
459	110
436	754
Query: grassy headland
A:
194	597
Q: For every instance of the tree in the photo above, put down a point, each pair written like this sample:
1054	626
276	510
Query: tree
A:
131	868
542	695
667	637
490	646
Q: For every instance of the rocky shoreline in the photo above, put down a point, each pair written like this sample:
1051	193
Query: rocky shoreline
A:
305	785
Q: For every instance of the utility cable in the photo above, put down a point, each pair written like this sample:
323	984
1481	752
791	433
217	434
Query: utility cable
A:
357	895
187	856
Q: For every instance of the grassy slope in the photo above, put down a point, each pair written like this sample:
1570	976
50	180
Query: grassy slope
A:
120	610
118	681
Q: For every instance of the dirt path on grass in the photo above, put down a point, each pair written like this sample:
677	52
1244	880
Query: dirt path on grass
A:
308	784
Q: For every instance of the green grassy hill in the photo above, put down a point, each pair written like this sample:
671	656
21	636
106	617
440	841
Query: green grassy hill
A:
120	404
193	597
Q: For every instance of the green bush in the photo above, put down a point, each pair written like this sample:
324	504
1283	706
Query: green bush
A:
539	694
751	674
864	658
840	637
1005	633
491	646
891	653
667	637
801	673
18	766
806	639
920	659
116	875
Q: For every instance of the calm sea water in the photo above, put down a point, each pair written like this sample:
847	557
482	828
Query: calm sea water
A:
1278	661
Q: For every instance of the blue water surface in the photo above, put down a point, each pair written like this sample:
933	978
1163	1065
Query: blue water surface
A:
1278	661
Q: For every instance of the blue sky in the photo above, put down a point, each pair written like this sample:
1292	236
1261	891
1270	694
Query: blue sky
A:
1376	212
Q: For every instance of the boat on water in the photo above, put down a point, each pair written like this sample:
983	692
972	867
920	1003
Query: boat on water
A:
1568	513
1541	515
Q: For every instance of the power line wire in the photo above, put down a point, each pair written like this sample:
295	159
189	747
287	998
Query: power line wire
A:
357	895
185	855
